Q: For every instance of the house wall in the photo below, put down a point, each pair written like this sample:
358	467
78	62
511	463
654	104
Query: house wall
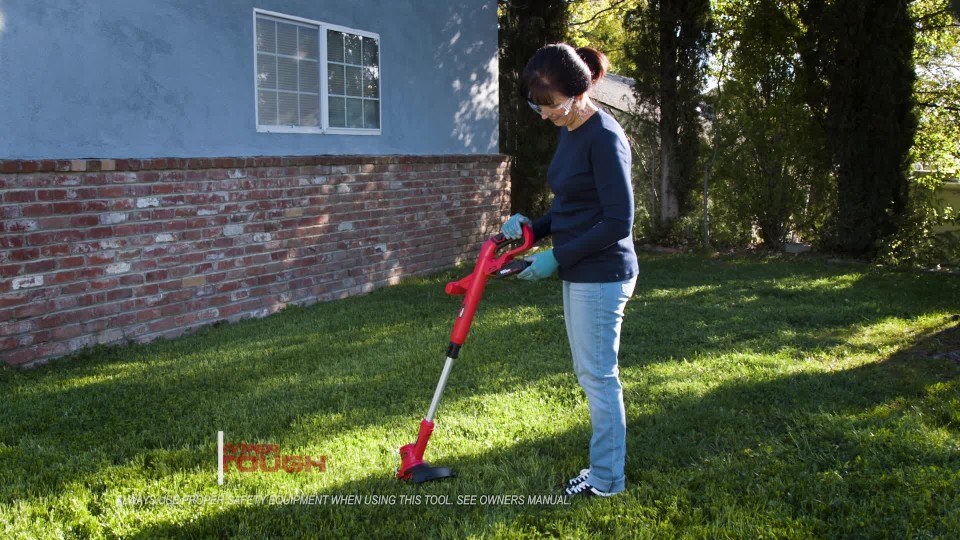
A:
948	196
107	251
143	78
138	200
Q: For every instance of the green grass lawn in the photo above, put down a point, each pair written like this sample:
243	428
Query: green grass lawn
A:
766	398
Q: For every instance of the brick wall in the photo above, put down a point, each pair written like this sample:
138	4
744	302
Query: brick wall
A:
106	251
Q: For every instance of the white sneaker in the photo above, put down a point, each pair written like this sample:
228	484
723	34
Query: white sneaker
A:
584	489
584	474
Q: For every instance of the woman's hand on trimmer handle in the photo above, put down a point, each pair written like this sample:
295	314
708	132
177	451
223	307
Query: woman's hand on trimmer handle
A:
512	229
542	265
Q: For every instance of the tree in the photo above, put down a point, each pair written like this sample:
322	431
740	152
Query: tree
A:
870	119
937	56
667	44
525	26
770	173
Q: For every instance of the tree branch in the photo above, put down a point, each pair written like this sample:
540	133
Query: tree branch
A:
938	106
938	13
597	14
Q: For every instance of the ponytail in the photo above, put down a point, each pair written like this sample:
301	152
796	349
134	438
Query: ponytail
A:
596	61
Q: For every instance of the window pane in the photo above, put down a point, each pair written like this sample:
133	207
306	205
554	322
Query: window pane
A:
266	71
287	73
354	81
355	113
371	82
371	114
371	52
334	46
338	112
309	110
286	39
336	79
351	49
309	77
288	110
308	43
266	35
267	108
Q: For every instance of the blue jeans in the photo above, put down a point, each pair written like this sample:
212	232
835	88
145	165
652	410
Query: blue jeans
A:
594	313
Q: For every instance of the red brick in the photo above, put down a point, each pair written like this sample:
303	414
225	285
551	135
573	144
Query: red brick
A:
20	356
121	205
39	267
8	242
67	332
64	277
22	255
85	221
51	194
100	284
75	288
70	262
110	192
36	210
105	257
19	196
29	310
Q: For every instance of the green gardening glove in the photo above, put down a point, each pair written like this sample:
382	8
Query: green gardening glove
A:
512	229
542	265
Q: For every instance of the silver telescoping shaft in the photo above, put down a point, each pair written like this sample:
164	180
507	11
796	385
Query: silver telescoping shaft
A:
447	366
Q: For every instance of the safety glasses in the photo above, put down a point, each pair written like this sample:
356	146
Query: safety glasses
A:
549	110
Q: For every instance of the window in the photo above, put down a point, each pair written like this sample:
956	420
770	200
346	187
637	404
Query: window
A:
314	77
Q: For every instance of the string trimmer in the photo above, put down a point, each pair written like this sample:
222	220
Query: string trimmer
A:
412	465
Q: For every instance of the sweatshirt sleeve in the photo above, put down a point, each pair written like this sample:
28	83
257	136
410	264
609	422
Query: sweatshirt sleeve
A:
610	157
541	227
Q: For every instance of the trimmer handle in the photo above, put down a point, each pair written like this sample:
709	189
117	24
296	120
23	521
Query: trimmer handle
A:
472	286
489	264
526	242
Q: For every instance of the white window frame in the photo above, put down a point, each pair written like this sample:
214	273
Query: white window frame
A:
322	28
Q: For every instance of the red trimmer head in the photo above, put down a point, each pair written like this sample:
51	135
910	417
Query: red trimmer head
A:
412	465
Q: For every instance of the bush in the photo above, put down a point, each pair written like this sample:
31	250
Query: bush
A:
920	240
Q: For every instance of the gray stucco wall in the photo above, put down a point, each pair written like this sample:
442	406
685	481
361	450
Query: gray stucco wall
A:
154	78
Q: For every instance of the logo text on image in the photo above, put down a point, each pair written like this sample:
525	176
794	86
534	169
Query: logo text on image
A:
264	458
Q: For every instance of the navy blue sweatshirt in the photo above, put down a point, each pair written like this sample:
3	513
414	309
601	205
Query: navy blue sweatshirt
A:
591	219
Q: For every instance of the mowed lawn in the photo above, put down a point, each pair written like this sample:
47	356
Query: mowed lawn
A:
766	398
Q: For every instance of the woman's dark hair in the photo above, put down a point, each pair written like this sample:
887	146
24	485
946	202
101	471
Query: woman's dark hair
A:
559	68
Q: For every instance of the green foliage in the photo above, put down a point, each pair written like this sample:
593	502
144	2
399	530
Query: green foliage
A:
770	171
599	24
765	398
937	55
524	28
924	237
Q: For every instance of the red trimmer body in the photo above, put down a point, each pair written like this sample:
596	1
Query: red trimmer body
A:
412	465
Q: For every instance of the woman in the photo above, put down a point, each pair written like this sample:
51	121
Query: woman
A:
591	222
